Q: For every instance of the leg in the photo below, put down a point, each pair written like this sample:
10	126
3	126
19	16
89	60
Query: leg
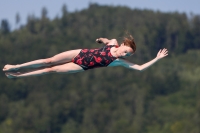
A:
57	59
65	68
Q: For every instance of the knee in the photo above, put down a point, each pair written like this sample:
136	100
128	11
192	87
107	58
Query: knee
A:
48	61
50	70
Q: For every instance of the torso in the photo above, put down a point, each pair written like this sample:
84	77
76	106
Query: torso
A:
92	58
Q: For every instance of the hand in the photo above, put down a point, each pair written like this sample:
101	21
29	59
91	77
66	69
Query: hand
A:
99	40
162	53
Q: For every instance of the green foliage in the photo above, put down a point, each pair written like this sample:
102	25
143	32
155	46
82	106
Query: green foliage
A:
5	27
163	99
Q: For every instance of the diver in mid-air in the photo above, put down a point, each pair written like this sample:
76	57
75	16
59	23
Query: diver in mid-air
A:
72	61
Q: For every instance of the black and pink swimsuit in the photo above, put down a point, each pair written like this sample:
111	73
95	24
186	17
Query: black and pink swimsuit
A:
92	58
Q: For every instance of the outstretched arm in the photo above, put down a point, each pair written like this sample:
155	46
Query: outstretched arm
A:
107	41
161	54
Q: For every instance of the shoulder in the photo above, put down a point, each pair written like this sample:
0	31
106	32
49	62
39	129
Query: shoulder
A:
118	62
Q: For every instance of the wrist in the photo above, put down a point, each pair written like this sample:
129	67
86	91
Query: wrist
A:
157	58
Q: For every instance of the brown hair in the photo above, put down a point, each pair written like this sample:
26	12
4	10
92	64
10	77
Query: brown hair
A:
129	41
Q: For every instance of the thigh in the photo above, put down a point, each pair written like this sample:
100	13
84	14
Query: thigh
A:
68	68
64	57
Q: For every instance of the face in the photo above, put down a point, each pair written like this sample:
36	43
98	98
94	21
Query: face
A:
125	51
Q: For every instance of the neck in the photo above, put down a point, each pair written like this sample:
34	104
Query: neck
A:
115	52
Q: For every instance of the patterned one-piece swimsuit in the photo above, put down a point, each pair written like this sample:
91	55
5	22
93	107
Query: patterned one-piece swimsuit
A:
92	58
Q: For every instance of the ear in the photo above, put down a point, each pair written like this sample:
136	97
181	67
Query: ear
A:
122	44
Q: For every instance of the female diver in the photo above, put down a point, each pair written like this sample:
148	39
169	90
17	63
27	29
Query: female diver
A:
79	60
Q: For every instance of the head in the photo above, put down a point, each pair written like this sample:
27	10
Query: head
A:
128	46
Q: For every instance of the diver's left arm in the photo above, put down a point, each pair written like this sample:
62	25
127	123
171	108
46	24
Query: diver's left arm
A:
161	54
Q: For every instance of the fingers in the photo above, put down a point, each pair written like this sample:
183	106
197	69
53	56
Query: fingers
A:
164	51
99	40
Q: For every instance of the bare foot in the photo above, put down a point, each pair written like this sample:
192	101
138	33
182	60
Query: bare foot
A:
12	75
9	68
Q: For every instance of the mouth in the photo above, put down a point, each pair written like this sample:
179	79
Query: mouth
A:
121	55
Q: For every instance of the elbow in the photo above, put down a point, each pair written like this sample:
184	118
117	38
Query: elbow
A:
137	67
140	69
114	40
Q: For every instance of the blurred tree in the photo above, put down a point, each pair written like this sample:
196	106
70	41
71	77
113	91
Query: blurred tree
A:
196	31
163	98
64	20
64	10
31	23
5	26
17	20
44	13
3	107
43	25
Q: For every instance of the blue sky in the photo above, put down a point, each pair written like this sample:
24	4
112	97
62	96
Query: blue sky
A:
9	8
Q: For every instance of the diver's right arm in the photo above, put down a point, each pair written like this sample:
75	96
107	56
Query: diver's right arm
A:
107	41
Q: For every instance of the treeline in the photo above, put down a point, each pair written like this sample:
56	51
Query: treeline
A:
164	98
